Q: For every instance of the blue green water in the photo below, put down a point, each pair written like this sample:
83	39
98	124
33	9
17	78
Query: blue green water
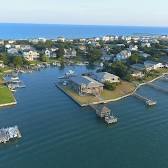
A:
58	133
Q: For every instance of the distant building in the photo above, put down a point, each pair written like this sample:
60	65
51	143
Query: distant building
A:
148	45
12	51
133	48
31	55
84	85
123	55
61	39
70	53
151	65
2	64
103	77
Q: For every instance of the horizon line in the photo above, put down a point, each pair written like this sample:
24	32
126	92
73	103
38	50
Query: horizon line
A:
74	24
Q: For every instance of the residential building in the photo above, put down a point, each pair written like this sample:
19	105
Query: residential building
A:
103	77
123	55
151	65
84	85
31	55
70	53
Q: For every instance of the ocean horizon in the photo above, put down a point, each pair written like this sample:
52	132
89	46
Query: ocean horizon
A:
52	31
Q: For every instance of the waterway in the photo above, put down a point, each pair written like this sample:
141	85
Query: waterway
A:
56	132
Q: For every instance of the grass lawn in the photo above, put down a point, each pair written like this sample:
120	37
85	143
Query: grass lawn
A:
6	95
122	89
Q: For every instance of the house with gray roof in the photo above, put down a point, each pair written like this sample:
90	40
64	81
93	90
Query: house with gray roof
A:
103	77
85	85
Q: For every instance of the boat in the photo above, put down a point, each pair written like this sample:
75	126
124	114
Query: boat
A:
110	119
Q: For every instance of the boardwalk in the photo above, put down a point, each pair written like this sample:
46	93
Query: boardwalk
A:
158	88
148	101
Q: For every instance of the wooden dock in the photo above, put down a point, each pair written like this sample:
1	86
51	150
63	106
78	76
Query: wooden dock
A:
159	88
147	101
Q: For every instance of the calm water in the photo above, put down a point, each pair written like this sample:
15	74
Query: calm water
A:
22	31
58	133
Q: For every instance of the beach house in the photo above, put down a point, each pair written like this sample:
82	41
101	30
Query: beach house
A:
84	85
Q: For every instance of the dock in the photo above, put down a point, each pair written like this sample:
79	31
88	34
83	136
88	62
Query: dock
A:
159	88
7	134
104	113
147	101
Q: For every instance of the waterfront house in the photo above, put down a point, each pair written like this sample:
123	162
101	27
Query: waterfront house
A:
103	77
61	39
47	53
31	55
151	65
84	85
123	55
137	74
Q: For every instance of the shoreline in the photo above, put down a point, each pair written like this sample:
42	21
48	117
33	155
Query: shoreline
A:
110	100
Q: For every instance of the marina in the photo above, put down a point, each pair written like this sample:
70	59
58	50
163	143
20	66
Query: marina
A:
77	133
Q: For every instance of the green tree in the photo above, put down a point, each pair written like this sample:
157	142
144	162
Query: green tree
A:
18	61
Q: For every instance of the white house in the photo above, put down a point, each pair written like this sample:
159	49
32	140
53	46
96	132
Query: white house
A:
151	65
146	45
31	55
61	39
48	53
69	53
12	51
2	64
123	55
133	48
103	77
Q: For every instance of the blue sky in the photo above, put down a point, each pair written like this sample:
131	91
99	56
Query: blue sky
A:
94	12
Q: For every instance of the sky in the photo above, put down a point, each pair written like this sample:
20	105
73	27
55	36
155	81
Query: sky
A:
87	12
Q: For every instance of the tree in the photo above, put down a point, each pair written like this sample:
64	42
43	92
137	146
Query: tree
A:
93	55
60	52
4	58
18	61
110	86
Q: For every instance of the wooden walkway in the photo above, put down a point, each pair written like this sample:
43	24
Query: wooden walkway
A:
158	87
147	101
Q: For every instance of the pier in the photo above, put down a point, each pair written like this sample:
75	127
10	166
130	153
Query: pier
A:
164	79
158	88
7	134
104	113
147	101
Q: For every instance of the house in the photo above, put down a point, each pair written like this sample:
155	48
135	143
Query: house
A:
2	42
123	55
47	53
103	77
151	65
145	55
133	48
2	64
137	74
70	53
148	45
85	85
31	55
138	67
61	39
12	51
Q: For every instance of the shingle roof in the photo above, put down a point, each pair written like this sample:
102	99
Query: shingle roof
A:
85	80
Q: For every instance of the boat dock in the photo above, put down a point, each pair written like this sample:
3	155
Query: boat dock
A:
7	134
158	87
104	113
147	101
